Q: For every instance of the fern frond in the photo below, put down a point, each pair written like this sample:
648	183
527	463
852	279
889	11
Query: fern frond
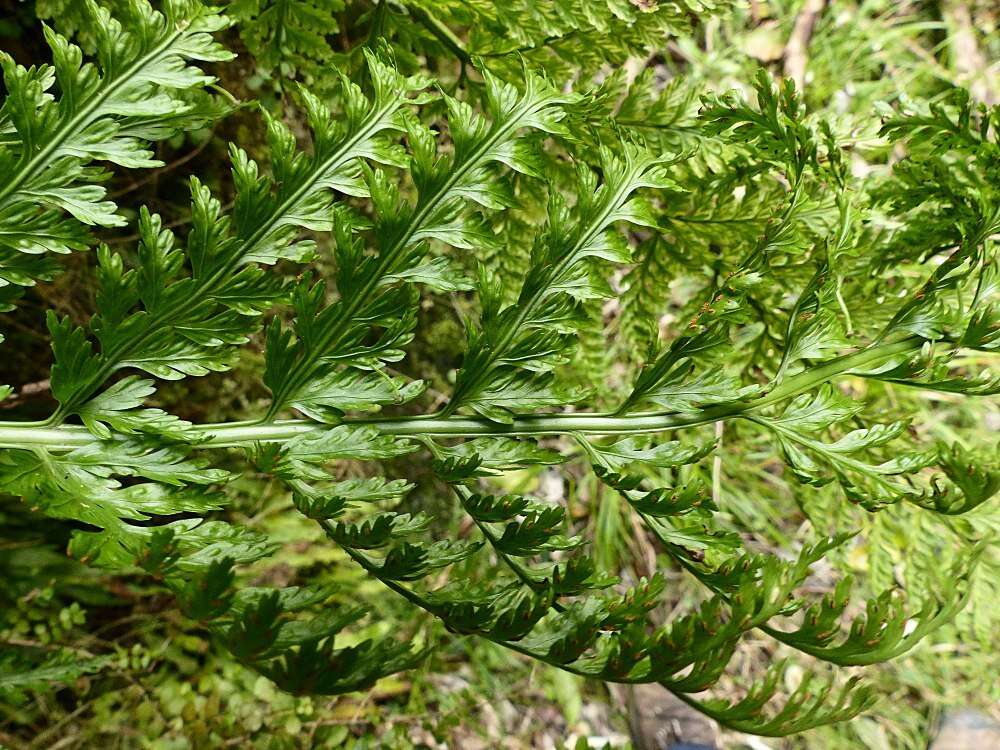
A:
290	35
105	112
508	362
777	319
370	288
198	303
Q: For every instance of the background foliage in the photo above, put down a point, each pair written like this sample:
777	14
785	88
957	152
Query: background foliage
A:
129	668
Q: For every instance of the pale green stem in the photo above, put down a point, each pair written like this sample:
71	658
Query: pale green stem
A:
226	435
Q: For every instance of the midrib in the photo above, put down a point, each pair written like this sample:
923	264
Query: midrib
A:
234	434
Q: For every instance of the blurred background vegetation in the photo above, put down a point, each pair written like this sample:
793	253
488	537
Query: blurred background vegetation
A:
163	685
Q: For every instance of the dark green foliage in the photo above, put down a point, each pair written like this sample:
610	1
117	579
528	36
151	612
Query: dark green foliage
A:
290	35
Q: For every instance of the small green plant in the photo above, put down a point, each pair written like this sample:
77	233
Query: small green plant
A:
533	204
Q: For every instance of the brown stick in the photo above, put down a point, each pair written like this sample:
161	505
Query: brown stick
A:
155	174
797	48
27	391
967	59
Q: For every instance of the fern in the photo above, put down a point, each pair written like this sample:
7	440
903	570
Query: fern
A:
406	183
290	35
21	676
108	112
570	37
